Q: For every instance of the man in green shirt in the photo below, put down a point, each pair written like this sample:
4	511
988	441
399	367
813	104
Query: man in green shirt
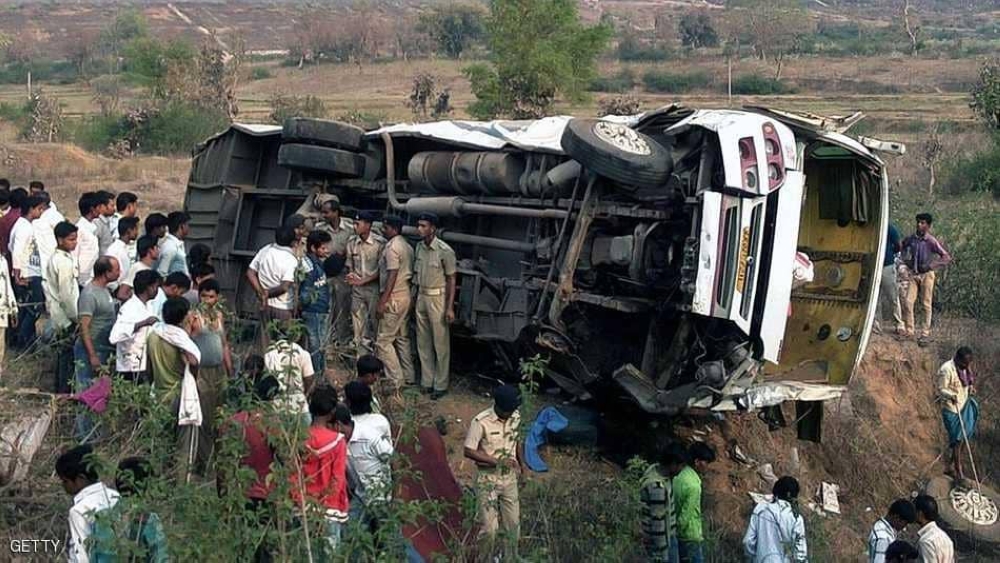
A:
659	527
687	503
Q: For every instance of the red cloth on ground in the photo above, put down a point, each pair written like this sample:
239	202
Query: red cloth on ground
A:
324	468
259	455
96	396
431	478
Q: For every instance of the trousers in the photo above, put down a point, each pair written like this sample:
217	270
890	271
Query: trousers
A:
392	345
499	505
888	299
363	300
340	309
433	344
922	286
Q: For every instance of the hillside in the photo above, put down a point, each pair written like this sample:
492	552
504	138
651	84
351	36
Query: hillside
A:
57	27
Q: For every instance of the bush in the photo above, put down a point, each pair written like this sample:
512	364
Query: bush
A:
757	85
98	132
675	83
623	104
59	72
283	107
364	119
623	81
178	127
173	129
260	73
979	172
631	49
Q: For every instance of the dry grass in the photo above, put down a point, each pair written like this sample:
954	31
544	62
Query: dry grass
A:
69	171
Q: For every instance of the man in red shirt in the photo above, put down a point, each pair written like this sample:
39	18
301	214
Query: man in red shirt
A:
322	479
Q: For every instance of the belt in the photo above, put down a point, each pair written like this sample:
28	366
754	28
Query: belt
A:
431	291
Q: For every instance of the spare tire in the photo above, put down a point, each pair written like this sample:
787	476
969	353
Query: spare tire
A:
321	159
324	133
617	152
971	519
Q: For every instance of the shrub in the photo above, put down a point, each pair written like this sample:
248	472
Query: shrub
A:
979	172
675	83
173	129
757	85
622	81
364	119
60	72
98	132
631	49
283	107
260	73
178	127
622	104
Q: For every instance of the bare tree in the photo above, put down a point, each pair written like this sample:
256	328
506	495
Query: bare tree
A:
775	27
911	25
931	153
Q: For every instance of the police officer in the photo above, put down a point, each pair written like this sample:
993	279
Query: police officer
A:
434	271
363	252
392	345
340	233
492	442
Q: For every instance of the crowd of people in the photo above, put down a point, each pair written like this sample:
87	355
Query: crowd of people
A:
146	307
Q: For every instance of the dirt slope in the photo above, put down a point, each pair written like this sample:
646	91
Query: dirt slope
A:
881	441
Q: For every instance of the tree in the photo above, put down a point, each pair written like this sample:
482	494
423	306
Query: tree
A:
931	153
911	25
775	28
453	27
986	94
81	50
696	31
539	50
127	26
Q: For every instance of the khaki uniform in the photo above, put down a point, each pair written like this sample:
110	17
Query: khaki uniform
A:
340	292
497	486
362	260
392	345
431	267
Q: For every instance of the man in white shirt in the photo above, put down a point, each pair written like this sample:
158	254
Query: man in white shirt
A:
128	230
127	205
77	470
272	277
934	544
173	256
104	203
26	270
45	240
148	253
291	365
87	246
369	452
61	295
884	532
777	532
132	326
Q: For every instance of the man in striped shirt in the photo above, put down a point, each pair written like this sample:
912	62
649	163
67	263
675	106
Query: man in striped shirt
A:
901	514
659	526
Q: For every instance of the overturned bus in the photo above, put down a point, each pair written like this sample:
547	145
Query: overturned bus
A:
652	252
